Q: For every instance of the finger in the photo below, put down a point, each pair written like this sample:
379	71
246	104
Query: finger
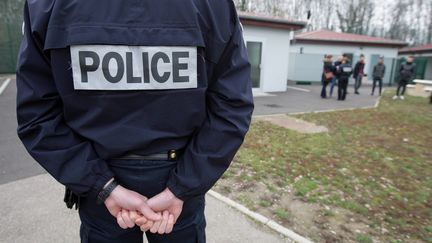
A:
164	223
120	221
125	215
146	226
148	213
133	215
170	224
140	221
155	226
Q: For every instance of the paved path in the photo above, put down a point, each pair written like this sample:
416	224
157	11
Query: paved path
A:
294	101
32	211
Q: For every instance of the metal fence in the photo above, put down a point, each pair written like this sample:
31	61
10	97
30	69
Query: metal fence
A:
10	33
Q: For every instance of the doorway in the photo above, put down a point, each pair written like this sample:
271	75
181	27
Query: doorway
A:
255	58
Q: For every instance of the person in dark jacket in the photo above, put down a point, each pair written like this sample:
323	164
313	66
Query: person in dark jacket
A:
327	75
138	108
407	73
378	75
344	72
335	78
359	73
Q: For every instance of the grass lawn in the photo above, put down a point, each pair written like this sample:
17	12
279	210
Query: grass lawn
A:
368	179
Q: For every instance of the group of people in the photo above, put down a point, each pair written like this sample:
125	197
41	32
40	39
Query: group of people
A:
339	72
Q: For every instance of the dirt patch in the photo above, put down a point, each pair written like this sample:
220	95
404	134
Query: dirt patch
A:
318	222
294	124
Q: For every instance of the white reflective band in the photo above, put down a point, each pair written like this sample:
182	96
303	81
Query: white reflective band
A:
115	67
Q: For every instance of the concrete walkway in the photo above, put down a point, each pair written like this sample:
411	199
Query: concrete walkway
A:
32	211
295	100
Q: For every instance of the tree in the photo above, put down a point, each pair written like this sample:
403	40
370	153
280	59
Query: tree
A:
407	20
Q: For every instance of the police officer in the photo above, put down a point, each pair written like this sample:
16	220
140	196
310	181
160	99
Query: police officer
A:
407	73
138	107
344	72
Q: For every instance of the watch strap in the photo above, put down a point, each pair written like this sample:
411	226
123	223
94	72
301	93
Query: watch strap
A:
104	194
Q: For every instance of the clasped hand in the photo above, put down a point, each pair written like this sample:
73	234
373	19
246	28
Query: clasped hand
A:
157	214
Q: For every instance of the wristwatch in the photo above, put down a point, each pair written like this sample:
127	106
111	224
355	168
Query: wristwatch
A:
106	191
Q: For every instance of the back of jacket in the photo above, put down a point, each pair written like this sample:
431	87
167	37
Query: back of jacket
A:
345	70
99	79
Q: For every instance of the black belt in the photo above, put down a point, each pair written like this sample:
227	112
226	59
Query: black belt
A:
170	155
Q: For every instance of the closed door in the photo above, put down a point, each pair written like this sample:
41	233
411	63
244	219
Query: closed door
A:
255	53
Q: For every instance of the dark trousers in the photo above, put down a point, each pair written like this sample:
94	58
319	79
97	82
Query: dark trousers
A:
147	178
358	82
402	85
342	88
380	82
324	89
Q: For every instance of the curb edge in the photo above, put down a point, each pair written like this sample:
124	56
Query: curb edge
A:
260	218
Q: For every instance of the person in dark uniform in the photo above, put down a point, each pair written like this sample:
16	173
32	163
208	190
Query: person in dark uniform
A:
407	73
378	75
327	75
359	73
137	107
344	72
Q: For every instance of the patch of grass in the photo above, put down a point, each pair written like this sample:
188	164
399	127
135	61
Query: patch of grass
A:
282	213
328	213
304	186
265	203
353	206
362	238
376	163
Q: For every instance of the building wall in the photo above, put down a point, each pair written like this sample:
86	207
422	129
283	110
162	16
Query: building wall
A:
275	56
306	60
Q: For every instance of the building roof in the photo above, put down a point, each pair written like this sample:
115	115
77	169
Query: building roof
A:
260	20
331	37
416	49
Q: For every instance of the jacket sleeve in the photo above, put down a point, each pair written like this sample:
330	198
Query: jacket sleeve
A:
69	158
229	110
356	70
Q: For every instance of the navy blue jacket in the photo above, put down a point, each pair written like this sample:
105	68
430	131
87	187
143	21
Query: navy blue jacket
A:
72	132
344	71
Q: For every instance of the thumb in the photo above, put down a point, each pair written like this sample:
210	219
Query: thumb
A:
148	213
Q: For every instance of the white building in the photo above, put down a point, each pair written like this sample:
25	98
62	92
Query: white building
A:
268	43
308	49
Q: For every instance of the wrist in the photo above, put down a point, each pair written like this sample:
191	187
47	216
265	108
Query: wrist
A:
109	187
170	195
